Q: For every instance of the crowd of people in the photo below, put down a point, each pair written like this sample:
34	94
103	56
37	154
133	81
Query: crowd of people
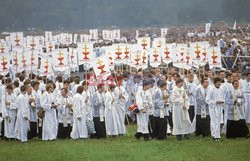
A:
160	101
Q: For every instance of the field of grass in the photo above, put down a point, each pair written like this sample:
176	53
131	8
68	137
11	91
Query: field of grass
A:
127	148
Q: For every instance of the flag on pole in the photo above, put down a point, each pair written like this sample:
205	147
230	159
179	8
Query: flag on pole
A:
214	57
164	32
144	43
101	67
60	59
166	53
85	53
154	56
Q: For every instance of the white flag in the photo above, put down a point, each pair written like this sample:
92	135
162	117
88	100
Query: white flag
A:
155	57
101	67
166	53
207	28
46	66
60	59
144	43
214	57
85	53
164	32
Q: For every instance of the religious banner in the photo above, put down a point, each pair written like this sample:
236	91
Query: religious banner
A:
118	53
101	67
93	33
196	53
48	36
155	57
32	43
164	32
144	59
166	53
204	55
16	39
127	53
19	60
136	57
109	52
188	61
46	66
32	59
144	43
214	57
159	42
60	59
73	57
207	28
4	62
75	39
85	53
178	56
50	47
116	35
107	35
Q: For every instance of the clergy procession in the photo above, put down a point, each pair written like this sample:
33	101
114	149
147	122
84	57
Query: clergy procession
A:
164	88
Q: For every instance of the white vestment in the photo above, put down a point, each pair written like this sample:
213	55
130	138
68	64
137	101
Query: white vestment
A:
79	129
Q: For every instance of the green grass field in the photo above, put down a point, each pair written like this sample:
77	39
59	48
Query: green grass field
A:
127	148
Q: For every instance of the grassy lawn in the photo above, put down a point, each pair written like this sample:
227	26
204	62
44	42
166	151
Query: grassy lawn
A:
127	148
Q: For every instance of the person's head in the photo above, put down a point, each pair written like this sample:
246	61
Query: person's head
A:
66	84
204	82
26	82
222	74
9	89
248	76
157	72
239	74
23	89
79	89
22	77
162	84
209	73
111	87
179	82
77	80
100	88
64	92
236	84
49	88
29	89
59	79
229	77
125	76
35	85
176	76
191	77
234	76
146	85
217	82
85	85
16	83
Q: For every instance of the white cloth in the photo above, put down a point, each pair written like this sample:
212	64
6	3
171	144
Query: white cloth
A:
181	120
111	117
22	124
246	91
79	129
48	122
9	114
120	105
214	95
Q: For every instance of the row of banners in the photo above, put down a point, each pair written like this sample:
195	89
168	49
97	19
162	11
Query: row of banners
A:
18	55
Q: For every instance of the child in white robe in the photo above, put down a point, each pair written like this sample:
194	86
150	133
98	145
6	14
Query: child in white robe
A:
111	117
23	116
79	129
215	100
